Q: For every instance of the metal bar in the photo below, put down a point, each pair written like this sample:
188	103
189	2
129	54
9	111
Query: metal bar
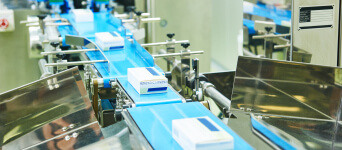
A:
164	43
270	36
127	20
144	20
220	99
57	24
282	46
67	52
43	69
55	19
178	54
26	21
126	15
75	63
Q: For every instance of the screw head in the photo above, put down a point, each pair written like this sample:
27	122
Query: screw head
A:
170	35
185	45
138	13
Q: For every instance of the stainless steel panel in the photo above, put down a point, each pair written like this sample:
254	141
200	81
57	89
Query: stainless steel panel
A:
41	104
286	88
302	133
223	82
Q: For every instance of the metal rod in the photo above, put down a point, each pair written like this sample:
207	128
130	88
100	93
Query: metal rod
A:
127	20
67	52
164	43
57	24
56	19
26	21
270	36
75	63
126	15
282	46
221	100
144	20
178	54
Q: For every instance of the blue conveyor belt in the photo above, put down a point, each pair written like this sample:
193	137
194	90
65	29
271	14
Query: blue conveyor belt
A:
155	122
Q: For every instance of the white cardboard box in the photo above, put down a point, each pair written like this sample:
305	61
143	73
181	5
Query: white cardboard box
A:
107	41
201	134
83	15
147	80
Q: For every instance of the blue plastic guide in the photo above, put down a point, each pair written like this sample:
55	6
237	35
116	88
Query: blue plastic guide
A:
153	113
270	135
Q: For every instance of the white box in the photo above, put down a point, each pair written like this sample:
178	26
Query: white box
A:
201	133
109	40
83	15
147	80
6	20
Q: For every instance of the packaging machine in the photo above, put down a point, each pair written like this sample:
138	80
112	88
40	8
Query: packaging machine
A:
84	99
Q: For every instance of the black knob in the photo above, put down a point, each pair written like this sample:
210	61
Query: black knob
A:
54	44
268	29
130	8
185	45
138	13
41	16
170	35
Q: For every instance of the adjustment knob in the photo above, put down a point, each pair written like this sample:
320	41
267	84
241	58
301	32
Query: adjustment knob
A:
185	45
170	35
138	13
268	29
54	44
41	16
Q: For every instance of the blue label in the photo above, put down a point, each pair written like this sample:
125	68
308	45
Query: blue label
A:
152	71
157	89
209	125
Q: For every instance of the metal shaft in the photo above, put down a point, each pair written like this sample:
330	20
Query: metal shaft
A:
75	63
270	36
67	52
164	43
178	54
221	100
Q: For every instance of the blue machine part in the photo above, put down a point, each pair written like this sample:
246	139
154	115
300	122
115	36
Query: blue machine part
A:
270	12
277	15
149	99
270	135
155	122
250	25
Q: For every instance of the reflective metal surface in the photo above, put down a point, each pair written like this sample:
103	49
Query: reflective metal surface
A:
287	88
300	103
302	133
46	110
223	81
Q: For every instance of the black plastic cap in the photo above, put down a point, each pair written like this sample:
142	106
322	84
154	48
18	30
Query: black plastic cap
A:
41	16
170	35
185	45
268	29
138	13
54	44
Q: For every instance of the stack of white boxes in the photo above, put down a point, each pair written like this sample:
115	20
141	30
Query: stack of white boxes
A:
107	40
147	80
